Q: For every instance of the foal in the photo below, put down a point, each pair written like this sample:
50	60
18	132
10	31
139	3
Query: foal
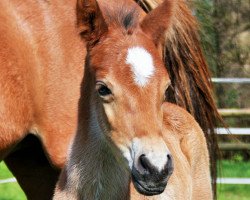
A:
125	129
190	179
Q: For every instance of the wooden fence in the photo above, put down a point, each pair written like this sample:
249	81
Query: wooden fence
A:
237	145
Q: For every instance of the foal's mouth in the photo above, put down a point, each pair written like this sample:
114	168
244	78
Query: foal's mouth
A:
144	189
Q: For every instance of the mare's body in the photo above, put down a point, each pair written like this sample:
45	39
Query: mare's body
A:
41	67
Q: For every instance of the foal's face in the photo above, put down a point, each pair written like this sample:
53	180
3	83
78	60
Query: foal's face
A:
131	81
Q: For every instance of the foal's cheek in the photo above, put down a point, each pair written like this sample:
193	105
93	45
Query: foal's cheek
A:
109	111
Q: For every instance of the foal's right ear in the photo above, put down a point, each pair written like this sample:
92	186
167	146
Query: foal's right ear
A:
90	21
157	22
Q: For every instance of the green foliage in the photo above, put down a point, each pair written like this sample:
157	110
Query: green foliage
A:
203	12
238	157
225	37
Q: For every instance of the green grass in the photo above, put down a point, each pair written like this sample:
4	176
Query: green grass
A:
4	172
234	169
233	192
11	191
238	169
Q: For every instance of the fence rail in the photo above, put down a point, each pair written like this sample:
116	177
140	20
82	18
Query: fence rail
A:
234	181
243	112
233	131
234	146
9	180
231	80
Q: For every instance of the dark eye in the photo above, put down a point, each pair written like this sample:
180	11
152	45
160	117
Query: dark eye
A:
103	90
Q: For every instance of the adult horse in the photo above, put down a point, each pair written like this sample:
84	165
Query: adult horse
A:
41	59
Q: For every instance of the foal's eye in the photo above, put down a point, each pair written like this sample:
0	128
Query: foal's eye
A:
103	90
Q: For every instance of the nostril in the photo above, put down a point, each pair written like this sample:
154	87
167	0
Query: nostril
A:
169	158
169	165
145	163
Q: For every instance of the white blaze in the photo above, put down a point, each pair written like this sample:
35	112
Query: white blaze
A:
141	63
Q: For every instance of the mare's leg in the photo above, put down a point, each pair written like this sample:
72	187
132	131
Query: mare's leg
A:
18	105
15	115
33	171
16	119
25	160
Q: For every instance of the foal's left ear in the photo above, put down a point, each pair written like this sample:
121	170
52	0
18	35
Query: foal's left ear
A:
156	22
90	21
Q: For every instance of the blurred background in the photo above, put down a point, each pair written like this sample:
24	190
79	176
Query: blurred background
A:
225	37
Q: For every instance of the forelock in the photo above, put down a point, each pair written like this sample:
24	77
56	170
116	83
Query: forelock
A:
125	16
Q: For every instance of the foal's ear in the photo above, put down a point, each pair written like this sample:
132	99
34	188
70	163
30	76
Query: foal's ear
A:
156	22
90	21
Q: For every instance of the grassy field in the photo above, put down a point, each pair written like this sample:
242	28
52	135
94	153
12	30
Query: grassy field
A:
11	191
234	192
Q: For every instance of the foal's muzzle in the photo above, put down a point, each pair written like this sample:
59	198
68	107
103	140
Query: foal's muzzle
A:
148	179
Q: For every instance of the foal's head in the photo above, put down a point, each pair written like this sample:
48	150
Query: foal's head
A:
130	80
